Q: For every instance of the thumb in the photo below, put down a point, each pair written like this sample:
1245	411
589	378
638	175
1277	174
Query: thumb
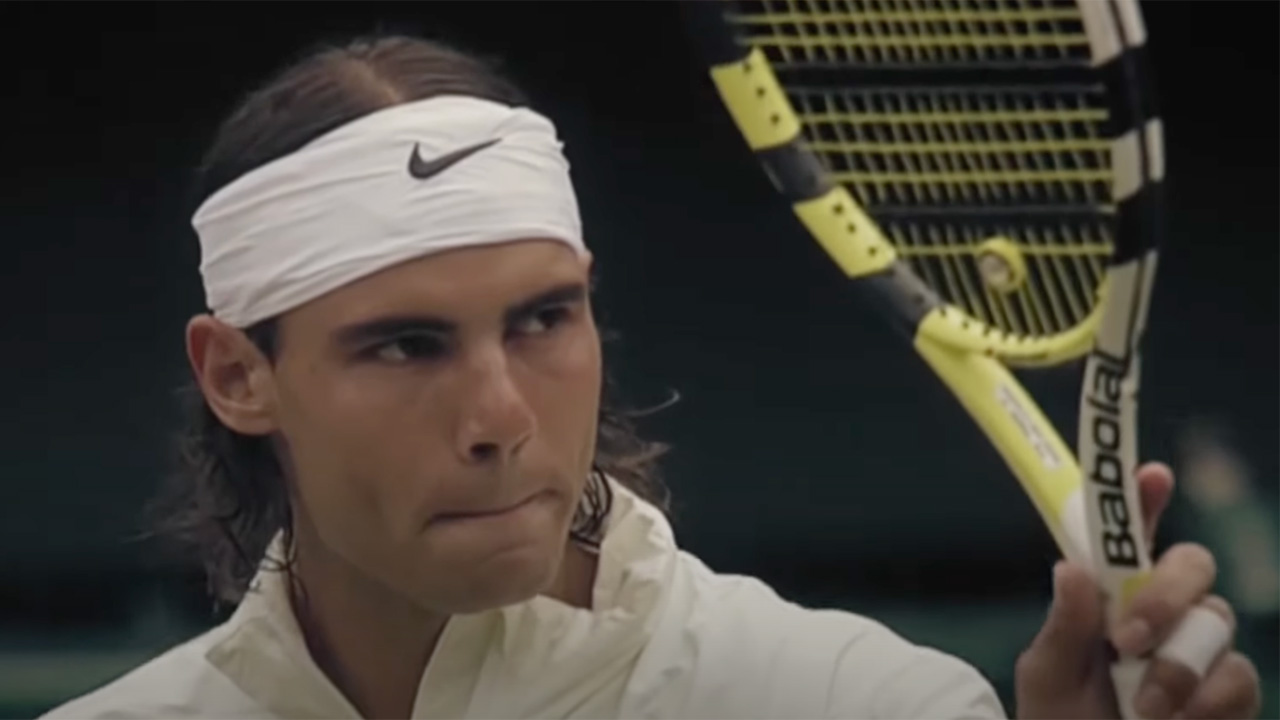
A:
1064	651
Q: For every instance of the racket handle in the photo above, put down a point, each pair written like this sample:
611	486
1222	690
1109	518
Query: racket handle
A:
1126	676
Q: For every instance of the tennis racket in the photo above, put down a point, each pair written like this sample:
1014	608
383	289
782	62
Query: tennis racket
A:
988	173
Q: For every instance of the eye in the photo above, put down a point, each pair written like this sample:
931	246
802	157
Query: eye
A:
409	348
542	321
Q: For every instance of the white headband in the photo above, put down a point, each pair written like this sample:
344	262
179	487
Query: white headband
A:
401	183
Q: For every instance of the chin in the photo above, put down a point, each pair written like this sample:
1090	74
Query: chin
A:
513	577
496	561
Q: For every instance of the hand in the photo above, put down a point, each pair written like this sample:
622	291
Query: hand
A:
1065	673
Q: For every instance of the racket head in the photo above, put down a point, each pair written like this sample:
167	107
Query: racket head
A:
980	168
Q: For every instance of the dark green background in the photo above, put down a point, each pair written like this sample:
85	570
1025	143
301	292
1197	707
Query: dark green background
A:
811	448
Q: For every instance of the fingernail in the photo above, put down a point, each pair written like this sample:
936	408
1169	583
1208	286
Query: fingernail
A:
1153	703
1133	637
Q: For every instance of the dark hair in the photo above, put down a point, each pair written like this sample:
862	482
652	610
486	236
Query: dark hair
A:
228	498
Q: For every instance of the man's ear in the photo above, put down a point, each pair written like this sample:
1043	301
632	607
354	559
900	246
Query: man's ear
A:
235	377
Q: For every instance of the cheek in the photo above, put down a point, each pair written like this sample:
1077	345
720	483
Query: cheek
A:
563	386
354	440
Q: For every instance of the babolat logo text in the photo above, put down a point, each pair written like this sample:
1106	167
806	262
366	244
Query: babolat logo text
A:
1028	427
1105	469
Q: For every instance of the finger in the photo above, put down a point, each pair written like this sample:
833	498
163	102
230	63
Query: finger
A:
1063	651
1168	685
1201	635
1179	580
1165	689
1231	689
1155	488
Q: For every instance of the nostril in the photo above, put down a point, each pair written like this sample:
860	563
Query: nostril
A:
484	451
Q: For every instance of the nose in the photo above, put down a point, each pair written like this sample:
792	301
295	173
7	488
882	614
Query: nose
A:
495	419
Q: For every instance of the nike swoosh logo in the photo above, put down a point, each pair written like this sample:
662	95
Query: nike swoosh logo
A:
423	169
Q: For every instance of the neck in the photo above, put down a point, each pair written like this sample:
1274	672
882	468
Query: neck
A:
373	644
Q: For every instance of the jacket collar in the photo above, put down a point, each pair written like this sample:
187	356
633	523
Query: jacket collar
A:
490	653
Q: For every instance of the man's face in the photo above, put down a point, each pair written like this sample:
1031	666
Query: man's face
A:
439	420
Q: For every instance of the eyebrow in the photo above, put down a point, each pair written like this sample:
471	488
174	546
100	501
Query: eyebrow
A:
389	326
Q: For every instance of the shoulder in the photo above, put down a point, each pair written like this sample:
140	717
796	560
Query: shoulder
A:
824	662
179	683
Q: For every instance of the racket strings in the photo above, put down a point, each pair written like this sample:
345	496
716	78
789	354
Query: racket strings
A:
886	33
946	162
948	146
962	156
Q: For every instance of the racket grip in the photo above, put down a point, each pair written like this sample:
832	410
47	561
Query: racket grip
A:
1126	676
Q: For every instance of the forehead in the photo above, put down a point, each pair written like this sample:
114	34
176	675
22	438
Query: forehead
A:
472	281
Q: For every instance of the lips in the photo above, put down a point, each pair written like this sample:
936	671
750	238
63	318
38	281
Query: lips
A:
490	513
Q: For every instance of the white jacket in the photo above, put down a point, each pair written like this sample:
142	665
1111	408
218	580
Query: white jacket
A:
667	638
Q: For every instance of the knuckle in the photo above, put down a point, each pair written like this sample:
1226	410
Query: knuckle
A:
1185	573
1025	664
1177	680
1196	558
1233	689
1158	610
1219	605
1029	668
1243	668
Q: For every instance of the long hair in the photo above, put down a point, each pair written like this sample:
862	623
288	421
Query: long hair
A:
227	498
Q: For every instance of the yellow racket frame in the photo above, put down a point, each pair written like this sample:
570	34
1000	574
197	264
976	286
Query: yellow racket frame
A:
759	107
970	356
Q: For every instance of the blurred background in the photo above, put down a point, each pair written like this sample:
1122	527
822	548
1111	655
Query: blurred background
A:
796	454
